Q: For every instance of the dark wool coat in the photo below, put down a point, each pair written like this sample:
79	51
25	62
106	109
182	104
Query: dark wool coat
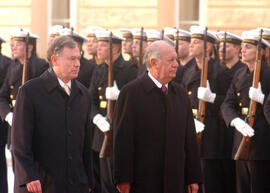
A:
51	136
155	143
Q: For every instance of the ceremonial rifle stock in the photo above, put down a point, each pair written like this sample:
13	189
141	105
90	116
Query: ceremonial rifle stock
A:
224	49
244	147
25	74
107	145
141	49
203	83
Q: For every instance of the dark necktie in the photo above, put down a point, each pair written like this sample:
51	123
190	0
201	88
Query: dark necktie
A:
164	90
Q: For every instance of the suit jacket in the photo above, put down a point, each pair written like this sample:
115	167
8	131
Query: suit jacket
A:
123	73
155	144
51	136
237	98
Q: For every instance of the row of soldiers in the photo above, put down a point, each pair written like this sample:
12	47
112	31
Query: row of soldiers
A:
231	61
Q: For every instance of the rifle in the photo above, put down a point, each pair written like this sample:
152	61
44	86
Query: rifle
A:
107	145
177	43
141	49
224	50
162	34
203	83
25	74
244	147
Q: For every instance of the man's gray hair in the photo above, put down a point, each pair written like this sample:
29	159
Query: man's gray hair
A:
58	45
152	51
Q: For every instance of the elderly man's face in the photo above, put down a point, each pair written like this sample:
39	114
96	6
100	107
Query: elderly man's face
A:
67	64
167	66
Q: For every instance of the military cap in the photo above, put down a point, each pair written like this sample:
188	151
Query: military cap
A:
55	30
198	33
230	37
153	35
74	35
252	37
266	33
19	34
105	36
169	32
126	33
180	34
136	32
93	30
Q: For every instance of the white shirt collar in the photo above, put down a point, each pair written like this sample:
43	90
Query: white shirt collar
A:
159	85
62	83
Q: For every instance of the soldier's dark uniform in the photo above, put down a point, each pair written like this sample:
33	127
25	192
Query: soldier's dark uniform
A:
182	71
236	104
216	141
13	81
123	73
4	64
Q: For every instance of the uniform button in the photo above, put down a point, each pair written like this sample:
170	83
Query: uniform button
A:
99	88
238	94
11	87
189	92
100	97
11	96
69	132
240	104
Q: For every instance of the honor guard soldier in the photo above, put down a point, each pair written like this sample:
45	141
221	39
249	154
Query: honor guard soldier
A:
13	80
127	43
266	37
213	141
152	36
253	172
123	72
92	43
86	67
186	61
4	64
169	33
54	31
139	46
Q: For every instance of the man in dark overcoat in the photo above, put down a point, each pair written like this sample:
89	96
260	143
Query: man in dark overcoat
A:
155	144
50	132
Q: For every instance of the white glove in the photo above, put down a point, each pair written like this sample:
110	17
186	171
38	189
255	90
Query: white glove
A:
101	122
242	127
9	118
206	94
256	94
199	126
112	93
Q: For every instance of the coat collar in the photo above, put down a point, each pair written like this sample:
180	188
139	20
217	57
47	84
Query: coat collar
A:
148	84
51	82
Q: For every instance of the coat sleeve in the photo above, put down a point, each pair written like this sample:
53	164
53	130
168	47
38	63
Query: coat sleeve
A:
228	107
193	172
123	139
22	133
266	109
4	99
